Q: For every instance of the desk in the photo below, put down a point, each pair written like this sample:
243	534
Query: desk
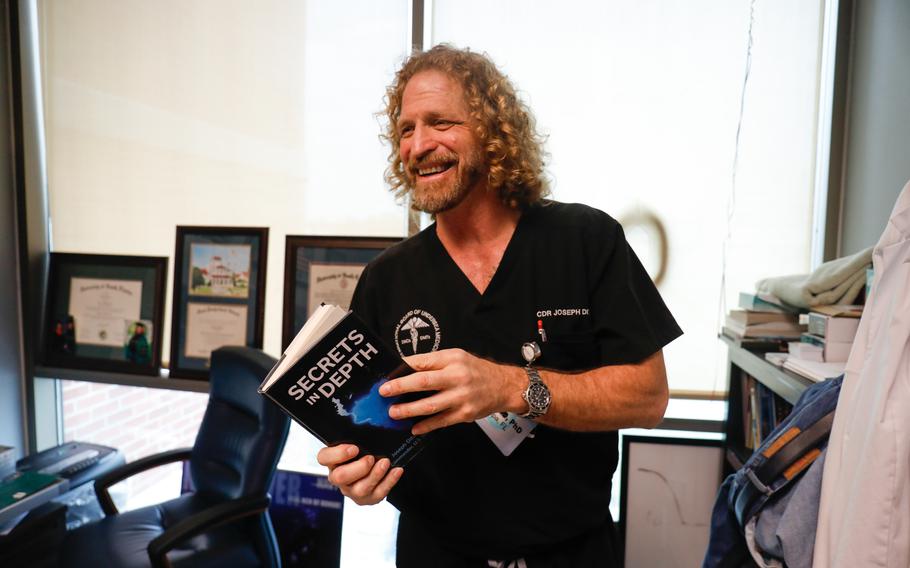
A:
38	489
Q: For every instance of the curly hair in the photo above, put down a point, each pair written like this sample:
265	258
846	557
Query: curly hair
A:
505	126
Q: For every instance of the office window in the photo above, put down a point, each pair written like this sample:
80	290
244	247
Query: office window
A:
212	112
139	422
640	101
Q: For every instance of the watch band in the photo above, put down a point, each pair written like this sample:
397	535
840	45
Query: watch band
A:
537	395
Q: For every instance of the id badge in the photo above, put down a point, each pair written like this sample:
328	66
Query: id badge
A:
506	430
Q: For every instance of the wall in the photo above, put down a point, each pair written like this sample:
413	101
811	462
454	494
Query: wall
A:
11	395
878	135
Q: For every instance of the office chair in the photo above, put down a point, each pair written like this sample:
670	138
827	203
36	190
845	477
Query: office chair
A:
225	521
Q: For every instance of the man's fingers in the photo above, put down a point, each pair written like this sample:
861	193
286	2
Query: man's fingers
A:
427	406
433	359
423	361
385	486
363	489
351	473
333	455
422	381
435	422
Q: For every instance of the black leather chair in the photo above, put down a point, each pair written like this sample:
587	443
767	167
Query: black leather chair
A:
225	521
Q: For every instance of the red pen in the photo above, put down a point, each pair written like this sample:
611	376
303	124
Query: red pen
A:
541	332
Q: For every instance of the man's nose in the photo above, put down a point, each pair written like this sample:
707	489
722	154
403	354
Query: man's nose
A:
423	141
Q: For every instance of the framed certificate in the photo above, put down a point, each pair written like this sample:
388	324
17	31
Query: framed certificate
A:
219	294
104	312
322	270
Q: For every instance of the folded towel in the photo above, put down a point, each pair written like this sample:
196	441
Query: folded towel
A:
838	281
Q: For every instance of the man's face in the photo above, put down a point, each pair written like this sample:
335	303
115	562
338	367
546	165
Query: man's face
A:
440	153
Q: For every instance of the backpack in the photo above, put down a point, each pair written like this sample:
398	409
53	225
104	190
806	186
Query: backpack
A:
766	513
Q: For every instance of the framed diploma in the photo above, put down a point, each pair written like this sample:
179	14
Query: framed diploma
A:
104	312
219	294
321	270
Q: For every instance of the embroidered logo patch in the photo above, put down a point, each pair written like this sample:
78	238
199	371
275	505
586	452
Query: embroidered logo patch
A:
417	332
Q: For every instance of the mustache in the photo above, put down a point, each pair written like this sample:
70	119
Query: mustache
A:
432	159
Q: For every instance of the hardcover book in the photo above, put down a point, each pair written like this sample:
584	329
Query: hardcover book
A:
328	381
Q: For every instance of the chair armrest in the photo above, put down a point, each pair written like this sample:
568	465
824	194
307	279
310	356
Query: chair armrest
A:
203	521
128	470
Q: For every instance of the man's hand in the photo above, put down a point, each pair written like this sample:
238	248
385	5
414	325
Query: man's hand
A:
366	481
465	388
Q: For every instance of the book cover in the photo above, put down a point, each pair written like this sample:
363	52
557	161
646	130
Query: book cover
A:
762	302
329	384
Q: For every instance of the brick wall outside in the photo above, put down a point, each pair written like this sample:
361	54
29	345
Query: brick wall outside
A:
137	421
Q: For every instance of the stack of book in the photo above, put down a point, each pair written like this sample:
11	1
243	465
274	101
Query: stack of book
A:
762	316
832	330
822	351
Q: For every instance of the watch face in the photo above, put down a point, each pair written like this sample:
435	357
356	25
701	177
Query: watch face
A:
538	397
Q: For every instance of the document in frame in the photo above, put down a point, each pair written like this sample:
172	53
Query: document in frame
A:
103	308
332	284
210	326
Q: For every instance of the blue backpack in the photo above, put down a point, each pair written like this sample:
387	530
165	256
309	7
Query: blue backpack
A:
769	508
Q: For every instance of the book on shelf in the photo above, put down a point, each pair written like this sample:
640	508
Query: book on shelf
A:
762	411
832	325
772	329
830	351
328	381
754	414
750	317
746	406
816	371
763	302
805	350
776	358
768	416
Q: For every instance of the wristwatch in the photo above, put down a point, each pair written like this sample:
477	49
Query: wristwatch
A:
537	395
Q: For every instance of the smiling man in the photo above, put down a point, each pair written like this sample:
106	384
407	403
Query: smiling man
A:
533	329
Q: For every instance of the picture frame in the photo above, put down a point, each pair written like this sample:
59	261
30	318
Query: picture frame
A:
667	491
218	294
104	313
333	263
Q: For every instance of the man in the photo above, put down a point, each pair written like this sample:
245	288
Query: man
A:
501	267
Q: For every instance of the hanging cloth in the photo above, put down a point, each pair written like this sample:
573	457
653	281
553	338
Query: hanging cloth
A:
864	512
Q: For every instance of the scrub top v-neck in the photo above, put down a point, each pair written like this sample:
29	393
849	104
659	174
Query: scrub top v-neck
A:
450	270
568	267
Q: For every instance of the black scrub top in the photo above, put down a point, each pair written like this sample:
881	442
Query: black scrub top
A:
569	267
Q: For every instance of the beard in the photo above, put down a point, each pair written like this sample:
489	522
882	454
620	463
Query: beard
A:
442	195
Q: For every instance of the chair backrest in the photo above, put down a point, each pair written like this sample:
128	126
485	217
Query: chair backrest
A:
242	433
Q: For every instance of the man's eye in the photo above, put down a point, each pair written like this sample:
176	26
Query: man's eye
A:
406	131
444	124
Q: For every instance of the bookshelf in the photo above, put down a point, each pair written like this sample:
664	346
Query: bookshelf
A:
776	387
